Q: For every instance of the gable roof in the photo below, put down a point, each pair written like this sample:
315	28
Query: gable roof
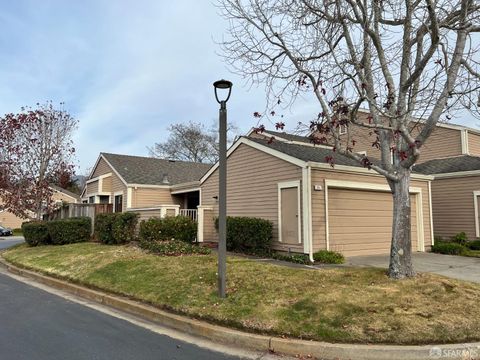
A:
307	153
449	165
66	192
151	171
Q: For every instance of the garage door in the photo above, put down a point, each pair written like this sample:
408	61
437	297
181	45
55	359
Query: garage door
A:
360	222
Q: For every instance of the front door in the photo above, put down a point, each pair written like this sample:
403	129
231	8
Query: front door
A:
289	217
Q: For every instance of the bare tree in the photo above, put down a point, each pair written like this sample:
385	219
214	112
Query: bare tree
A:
189	142
36	149
402	60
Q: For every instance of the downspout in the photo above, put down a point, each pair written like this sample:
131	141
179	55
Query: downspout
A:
310	229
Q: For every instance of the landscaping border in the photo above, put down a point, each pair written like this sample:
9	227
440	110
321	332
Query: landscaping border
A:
235	338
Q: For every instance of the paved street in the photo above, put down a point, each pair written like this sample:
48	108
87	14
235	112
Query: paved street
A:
7	241
35	324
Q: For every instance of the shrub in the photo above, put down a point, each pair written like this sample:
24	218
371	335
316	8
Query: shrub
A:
245	234
474	245
69	231
328	257
448	248
460	238
180	228
173	248
103	228
124	227
293	258
35	233
116	228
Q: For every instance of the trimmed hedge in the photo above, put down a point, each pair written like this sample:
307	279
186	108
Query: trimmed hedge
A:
448	248
35	233
328	257
245	234
173	248
180	228
116	228
124	227
69	231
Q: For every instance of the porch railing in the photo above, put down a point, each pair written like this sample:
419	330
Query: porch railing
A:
191	213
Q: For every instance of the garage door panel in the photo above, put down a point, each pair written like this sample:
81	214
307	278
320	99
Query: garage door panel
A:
360	222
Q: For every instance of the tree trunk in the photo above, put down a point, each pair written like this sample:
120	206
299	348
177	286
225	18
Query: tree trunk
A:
401	249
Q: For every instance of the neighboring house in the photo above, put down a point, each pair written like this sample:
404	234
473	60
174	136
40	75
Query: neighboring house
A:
312	205
455	194
59	196
447	140
149	186
452	156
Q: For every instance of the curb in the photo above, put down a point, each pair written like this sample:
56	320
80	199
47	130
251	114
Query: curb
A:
235	338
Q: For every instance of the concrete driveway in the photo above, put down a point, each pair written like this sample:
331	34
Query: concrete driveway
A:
457	267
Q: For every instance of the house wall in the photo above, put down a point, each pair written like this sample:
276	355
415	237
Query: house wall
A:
453	205
101	169
60	196
92	187
9	220
318	202
473	144
110	185
252	188
443	142
146	197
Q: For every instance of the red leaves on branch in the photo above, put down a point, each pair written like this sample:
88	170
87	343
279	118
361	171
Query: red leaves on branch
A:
366	163
256	114
330	160
271	140
279	125
35	150
260	129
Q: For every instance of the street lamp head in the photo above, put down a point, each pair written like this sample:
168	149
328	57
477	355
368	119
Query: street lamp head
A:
222	84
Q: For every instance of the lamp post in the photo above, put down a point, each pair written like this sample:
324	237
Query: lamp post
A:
222	185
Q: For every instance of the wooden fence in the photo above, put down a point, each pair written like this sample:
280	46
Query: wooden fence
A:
79	210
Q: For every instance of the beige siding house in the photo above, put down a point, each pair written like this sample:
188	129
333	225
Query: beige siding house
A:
312	205
455	195
149	186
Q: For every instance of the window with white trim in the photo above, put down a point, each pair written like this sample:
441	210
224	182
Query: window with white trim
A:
343	129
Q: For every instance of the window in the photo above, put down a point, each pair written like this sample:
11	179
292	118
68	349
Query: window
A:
118	203
343	129
104	199
91	200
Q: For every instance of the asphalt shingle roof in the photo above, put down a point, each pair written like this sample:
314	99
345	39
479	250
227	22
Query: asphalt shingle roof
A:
151	171
307	152
449	165
289	137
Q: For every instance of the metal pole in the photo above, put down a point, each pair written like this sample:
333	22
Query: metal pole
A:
222	201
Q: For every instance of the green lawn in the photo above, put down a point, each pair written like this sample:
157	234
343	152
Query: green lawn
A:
357	305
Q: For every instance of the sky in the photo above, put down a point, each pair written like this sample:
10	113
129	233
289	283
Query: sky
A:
125	69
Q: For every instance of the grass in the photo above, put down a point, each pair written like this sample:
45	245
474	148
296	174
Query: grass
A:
472	253
355	305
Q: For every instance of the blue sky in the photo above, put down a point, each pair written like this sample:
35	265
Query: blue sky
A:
125	69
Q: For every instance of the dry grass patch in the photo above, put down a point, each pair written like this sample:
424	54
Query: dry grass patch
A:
357	305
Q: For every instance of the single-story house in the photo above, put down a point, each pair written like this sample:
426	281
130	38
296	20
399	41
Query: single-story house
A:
455	194
59	196
149	186
312	206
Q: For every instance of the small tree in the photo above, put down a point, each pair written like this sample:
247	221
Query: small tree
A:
403	60
189	142
36	148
